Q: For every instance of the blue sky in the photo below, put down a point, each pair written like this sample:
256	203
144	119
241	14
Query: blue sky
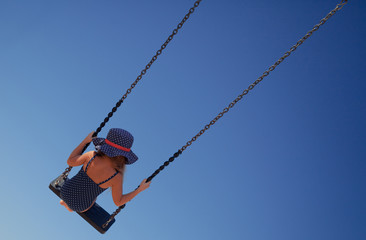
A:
288	162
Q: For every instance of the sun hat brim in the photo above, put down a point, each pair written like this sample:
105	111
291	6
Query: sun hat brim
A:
110	151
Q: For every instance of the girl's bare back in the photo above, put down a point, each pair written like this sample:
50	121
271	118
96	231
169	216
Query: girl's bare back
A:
100	169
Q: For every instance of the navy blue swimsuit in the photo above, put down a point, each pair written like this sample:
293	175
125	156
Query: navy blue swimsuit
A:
80	191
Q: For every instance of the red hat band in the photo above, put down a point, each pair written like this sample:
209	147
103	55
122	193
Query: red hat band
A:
117	146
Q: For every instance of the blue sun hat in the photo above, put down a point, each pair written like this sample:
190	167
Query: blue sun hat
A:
117	143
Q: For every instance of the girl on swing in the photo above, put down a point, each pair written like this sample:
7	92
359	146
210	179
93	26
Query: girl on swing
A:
101	169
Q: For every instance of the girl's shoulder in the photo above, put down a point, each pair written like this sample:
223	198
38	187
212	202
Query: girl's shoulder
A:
89	154
80	159
86	157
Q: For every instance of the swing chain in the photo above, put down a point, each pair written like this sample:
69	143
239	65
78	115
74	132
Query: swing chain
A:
147	67
68	169
113	215
139	77
265	74
245	92
63	175
165	164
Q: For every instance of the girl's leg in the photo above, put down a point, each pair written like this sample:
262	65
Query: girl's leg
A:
65	205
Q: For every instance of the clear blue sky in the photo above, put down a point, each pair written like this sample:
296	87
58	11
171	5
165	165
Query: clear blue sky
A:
288	162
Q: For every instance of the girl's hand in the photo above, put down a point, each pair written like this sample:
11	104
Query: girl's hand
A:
89	138
144	185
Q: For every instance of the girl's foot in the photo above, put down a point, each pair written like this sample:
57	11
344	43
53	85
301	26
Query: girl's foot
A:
65	205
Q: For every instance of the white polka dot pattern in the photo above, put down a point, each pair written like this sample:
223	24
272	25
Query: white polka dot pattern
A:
120	137
80	191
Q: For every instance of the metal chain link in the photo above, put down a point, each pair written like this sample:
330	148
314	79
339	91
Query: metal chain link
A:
68	169
139	77
175	31
143	72
165	164
232	104
265	74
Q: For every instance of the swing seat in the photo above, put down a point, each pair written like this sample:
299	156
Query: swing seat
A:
95	216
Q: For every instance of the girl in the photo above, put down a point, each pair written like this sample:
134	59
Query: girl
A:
100	170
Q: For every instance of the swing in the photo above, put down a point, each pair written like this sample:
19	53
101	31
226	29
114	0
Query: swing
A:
100	219
95	216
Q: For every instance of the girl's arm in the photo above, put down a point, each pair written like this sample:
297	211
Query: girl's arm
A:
118	198
76	158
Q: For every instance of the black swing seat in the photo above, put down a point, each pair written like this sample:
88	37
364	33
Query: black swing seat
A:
95	216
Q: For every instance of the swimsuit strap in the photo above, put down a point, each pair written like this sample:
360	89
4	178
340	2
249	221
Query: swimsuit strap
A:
108	178
86	169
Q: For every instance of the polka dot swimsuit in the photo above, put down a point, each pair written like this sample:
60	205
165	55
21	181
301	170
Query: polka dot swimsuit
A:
80	191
